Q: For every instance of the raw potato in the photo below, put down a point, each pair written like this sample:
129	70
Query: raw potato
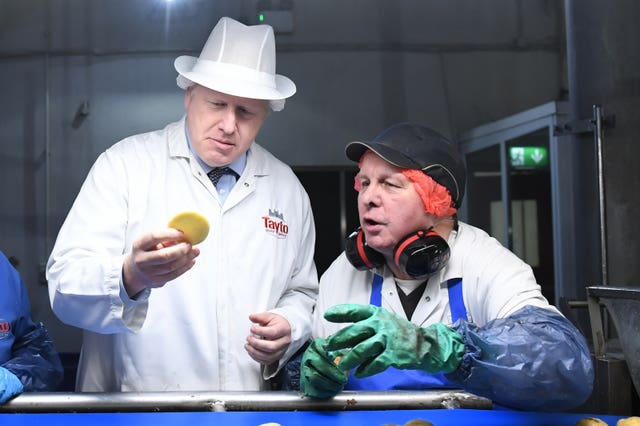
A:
418	422
414	422
591	421
629	421
336	361
194	226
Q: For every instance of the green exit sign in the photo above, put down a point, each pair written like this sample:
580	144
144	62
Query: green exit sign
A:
528	157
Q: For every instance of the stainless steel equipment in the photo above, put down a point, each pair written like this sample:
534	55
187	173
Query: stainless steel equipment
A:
241	401
623	304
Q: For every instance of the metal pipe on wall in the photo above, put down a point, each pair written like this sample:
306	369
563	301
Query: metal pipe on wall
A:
598	136
47	146
47	155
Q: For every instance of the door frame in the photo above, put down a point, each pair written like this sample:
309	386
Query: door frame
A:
550	116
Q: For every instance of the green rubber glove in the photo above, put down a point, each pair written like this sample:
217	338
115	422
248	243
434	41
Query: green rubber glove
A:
319	376
380	339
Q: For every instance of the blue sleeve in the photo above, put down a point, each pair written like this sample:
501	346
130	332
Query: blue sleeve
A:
32	357
534	360
35	361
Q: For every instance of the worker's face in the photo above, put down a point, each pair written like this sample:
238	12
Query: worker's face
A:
388	204
222	127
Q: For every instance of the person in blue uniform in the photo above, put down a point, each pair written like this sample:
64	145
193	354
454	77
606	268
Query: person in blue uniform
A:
28	360
420	299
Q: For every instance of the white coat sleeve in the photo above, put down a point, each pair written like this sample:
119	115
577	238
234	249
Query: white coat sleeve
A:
336	273
84	270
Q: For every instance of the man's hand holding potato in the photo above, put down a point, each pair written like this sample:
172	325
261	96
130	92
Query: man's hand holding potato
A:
161	256
155	259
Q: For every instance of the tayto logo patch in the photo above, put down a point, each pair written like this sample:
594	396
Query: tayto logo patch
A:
5	328
274	224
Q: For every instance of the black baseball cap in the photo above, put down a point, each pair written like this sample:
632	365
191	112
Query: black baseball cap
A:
412	146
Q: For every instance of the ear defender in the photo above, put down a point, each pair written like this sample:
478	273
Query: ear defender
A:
419	254
360	255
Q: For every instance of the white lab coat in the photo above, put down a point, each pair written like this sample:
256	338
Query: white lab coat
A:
520	351
496	283
190	334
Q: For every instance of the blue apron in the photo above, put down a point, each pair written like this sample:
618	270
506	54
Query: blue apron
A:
393	378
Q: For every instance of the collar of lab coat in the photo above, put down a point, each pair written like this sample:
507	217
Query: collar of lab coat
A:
179	147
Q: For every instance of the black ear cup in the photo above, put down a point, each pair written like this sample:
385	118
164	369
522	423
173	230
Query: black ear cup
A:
421	254
361	256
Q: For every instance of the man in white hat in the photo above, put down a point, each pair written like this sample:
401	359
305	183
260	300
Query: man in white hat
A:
157	312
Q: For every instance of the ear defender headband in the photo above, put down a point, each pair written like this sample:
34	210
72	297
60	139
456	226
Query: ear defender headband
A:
419	254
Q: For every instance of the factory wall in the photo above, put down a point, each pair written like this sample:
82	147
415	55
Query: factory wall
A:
78	75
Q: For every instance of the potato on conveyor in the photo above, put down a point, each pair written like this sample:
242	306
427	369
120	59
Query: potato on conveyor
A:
194	226
629	421
418	422
591	421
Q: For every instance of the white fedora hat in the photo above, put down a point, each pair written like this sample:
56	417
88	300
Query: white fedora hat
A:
238	60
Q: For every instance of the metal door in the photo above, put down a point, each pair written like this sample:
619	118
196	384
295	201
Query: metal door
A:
513	173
